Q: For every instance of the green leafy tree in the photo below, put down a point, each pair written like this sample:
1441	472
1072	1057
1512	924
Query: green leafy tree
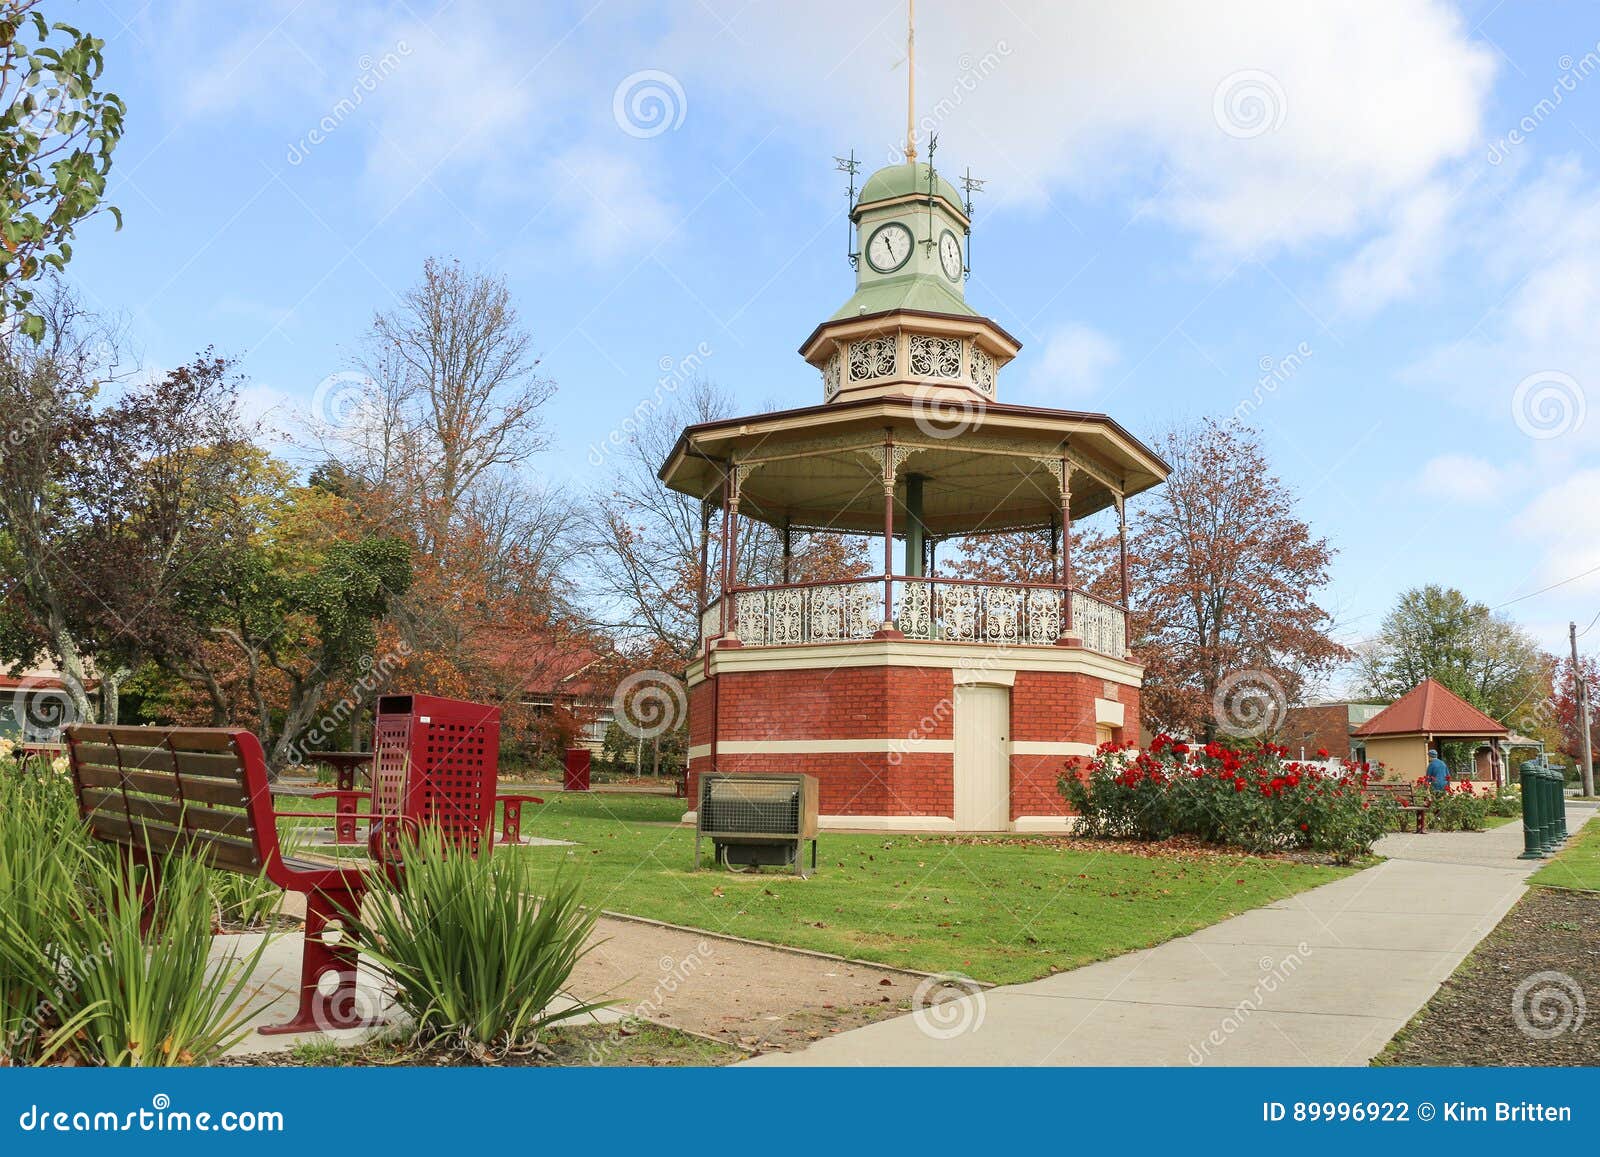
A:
58	130
1436	632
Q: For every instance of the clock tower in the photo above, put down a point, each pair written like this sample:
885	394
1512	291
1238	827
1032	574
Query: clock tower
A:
907	330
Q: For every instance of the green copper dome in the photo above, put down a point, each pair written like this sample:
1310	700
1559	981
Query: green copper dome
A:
905	180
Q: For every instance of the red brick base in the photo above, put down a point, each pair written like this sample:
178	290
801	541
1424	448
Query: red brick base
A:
901	705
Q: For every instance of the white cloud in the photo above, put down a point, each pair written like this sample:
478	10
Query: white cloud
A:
1393	265
612	203
1564	522
1530	364
1359	104
1461	478
1072	364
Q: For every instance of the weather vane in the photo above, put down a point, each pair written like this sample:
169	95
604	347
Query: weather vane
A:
970	185
852	166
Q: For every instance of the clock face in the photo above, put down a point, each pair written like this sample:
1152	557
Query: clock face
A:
950	255
889	247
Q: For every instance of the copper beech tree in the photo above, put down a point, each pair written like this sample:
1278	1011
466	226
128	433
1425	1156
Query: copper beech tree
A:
1223	578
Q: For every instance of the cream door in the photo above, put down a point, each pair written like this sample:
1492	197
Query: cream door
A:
983	758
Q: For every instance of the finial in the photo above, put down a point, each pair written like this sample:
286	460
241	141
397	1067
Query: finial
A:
911	81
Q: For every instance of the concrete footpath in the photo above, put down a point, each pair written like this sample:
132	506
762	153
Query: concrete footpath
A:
1325	977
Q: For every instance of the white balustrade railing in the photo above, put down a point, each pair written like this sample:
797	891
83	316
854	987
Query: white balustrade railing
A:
957	612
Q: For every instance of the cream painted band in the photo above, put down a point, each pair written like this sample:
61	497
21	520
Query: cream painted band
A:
873	747
1019	747
1109	712
928	823
905	746
992	661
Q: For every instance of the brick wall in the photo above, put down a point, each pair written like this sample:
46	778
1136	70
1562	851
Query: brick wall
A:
1314	728
895	703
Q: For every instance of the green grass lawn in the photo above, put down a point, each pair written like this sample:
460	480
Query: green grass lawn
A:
1577	865
1001	910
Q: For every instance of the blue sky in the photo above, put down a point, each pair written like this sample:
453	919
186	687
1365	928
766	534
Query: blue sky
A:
1388	209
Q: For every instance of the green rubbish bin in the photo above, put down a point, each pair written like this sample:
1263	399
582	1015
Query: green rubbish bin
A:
1528	775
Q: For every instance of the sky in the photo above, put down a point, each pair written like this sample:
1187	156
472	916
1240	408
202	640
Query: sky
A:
1372	229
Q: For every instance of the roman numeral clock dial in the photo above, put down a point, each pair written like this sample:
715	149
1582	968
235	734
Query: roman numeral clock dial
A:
889	247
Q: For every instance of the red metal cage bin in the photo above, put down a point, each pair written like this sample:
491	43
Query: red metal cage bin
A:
434	763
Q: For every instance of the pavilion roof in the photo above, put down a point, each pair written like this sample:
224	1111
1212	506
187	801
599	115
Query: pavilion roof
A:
1431	708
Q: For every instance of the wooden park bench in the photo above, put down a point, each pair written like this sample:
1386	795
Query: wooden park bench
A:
203	792
1404	796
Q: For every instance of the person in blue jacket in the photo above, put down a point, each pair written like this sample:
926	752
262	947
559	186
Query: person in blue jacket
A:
1438	771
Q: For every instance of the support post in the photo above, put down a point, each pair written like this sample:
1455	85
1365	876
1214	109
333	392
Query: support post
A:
788	553
1122	549
888	630
705	555
722	561
1069	635
1585	772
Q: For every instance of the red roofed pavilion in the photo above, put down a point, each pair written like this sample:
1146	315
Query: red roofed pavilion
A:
1399	736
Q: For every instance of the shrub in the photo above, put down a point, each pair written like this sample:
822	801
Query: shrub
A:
476	950
35	893
150	998
1506	802
1251	799
1455	809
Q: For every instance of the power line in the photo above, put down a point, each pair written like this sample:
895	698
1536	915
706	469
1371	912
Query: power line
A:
1551	587
1590	627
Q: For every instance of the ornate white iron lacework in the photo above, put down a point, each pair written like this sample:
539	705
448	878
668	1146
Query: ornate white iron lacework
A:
830	378
871	358
997	613
1101	626
982	370
936	357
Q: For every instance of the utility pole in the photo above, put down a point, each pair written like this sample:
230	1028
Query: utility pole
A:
1587	768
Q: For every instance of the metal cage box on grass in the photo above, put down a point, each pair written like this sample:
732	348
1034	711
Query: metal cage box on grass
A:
757	820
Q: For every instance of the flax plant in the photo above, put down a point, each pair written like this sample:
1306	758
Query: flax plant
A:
152	998
477	949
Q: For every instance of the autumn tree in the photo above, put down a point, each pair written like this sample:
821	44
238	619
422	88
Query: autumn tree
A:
106	506
1224	576
644	544
1435	632
1564	710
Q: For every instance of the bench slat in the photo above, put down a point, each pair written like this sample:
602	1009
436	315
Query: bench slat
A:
214	764
184	738
201	790
139	834
195	816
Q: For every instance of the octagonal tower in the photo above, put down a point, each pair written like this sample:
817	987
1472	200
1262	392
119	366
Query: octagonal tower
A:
919	701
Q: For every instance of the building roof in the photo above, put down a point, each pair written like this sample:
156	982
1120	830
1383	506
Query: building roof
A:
1431	708
545	667
906	180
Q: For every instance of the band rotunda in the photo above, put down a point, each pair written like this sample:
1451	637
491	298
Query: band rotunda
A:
919	701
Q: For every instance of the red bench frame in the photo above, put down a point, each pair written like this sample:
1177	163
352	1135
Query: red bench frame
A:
171	770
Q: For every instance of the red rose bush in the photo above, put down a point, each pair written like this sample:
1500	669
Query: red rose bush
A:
1254	799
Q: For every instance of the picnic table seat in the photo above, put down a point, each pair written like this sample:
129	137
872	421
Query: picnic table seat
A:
203	792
